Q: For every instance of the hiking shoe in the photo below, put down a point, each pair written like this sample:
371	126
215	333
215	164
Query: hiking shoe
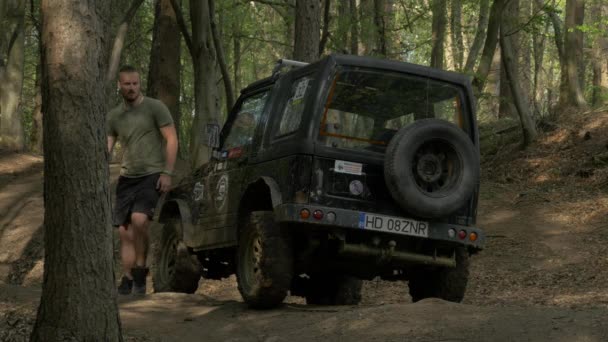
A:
139	280
125	286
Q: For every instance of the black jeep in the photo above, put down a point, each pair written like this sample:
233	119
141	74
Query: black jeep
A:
349	168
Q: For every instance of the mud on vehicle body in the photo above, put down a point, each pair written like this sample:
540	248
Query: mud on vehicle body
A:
346	169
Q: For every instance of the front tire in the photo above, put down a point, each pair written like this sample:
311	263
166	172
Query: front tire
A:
173	268
445	283
264	261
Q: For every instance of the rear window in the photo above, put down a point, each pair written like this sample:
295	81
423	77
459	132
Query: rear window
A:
365	108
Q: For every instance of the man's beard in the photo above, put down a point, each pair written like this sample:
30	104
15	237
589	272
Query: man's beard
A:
131	97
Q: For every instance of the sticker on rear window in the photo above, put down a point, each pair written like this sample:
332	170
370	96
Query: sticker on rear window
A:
351	168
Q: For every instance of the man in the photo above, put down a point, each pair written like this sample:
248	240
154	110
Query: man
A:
145	129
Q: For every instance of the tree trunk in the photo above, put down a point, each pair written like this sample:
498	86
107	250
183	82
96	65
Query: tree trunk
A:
509	25
538	44
573	49
165	60
306	47
344	24
219	49
354	29
508	56
11	76
79	294
36	130
438	35
236	53
482	25
380	25
490	45
206	95
326	23
600	66
119	41
457	40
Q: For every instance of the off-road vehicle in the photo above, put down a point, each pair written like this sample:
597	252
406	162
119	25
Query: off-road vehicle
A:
328	173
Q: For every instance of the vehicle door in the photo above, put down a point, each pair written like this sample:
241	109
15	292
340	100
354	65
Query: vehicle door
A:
228	167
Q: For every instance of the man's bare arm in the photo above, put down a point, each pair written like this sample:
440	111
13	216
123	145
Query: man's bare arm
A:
111	142
170	136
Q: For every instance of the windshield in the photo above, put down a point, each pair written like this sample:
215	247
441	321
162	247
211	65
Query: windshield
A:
365	108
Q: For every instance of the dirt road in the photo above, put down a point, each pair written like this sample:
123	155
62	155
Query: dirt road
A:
541	278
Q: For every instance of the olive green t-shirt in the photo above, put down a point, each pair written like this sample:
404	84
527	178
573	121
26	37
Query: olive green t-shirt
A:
138	131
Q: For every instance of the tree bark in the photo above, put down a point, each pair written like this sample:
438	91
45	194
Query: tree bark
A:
573	49
600	66
165	60
206	95
380	24
326	23
119	41
236	41
490	45
509	24
219	49
480	34
508	56
79	295
457	40
306	47
354	29
12	54
538	44
36	130
438	35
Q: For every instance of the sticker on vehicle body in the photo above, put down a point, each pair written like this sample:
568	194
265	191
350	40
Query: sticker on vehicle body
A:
342	166
221	192
301	89
198	192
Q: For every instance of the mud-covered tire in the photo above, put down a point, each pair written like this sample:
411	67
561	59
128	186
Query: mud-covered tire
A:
333	290
446	283
174	269
264	267
431	168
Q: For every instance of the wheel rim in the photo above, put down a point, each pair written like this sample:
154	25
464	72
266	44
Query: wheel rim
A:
169	258
251	261
437	168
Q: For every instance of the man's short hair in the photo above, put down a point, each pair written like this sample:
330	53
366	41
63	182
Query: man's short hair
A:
128	68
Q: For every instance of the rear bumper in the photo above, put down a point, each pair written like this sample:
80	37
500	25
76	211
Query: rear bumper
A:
351	219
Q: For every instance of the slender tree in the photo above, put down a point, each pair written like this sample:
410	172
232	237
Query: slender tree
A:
490	44
573	55
165	60
456	29
79	295
306	41
12	51
480	33
119	40
438	35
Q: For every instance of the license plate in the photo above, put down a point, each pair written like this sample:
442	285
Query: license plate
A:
397	225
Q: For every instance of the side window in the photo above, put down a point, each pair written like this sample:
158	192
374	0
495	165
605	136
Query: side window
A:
243	127
292	115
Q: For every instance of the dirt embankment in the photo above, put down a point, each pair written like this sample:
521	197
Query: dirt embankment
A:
542	276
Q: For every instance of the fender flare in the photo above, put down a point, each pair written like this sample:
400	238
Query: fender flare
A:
183	210
275	191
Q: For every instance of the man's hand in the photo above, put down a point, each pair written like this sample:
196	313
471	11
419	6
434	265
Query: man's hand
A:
164	183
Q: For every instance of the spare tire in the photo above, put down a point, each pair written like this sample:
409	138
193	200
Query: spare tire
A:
431	168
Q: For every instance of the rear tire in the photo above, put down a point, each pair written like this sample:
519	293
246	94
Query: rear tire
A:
333	290
446	283
173	268
264	268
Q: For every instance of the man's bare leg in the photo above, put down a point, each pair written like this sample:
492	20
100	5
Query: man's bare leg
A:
127	249
139	224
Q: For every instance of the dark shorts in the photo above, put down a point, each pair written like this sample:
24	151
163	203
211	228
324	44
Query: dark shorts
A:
135	195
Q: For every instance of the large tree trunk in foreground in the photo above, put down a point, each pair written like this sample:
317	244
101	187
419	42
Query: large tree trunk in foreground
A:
79	294
306	41
165	63
11	75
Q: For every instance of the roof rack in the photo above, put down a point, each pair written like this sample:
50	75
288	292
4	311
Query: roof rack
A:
287	63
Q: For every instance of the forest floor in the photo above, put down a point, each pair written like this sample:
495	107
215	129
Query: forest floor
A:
542	277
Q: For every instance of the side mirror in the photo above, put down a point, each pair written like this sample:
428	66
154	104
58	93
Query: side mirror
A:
213	135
